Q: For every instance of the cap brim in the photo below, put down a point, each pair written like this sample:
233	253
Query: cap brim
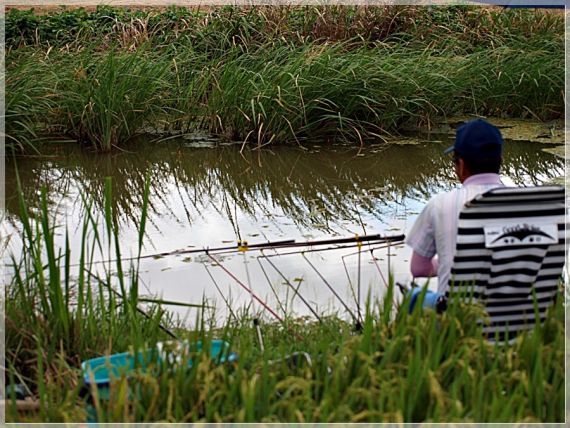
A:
449	150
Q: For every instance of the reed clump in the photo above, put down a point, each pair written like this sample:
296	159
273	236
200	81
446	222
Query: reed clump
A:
334	93
400	368
276	75
28	99
107	100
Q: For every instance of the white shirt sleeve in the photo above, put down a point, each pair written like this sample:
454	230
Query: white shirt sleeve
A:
422	235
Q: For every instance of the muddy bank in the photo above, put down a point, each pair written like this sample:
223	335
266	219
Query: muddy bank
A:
547	132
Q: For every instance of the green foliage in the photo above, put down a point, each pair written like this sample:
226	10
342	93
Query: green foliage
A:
28	99
421	367
319	92
65	312
275	74
106	101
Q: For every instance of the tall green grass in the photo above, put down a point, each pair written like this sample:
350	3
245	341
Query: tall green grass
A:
422	368
330	92
107	100
285	94
401	368
28	99
267	76
59	312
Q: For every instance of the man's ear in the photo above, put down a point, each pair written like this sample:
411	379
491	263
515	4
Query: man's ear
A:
461	170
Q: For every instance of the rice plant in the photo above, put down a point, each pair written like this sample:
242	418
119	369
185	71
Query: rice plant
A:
412	369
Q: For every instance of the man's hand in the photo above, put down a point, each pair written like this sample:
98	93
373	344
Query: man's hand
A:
423	266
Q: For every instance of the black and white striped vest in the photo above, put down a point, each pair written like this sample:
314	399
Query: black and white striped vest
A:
510	255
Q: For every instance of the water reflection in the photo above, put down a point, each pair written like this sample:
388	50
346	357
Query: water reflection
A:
212	196
315	188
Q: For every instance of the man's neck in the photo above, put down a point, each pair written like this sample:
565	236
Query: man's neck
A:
484	178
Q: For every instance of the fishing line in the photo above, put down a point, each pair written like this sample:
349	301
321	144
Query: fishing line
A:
265	306
398	238
378	266
359	270
256	326
350	282
245	287
139	310
271	287
388	257
388	246
292	286
331	288
221	294
313	250
354	295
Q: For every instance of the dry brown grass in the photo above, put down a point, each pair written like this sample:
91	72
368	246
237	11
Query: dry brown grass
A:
41	8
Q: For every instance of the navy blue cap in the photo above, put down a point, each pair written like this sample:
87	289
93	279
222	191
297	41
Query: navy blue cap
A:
477	139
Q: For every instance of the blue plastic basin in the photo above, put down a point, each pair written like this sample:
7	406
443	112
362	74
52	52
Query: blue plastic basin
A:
103	369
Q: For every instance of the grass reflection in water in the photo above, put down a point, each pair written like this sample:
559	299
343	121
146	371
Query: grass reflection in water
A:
315	188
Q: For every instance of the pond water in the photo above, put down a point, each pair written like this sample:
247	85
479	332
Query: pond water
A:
207	194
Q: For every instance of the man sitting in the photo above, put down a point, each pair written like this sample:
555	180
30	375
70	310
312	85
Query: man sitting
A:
477	154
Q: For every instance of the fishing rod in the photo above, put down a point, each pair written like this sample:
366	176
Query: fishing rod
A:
291	243
319	250
287	243
238	246
355	238
244	245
